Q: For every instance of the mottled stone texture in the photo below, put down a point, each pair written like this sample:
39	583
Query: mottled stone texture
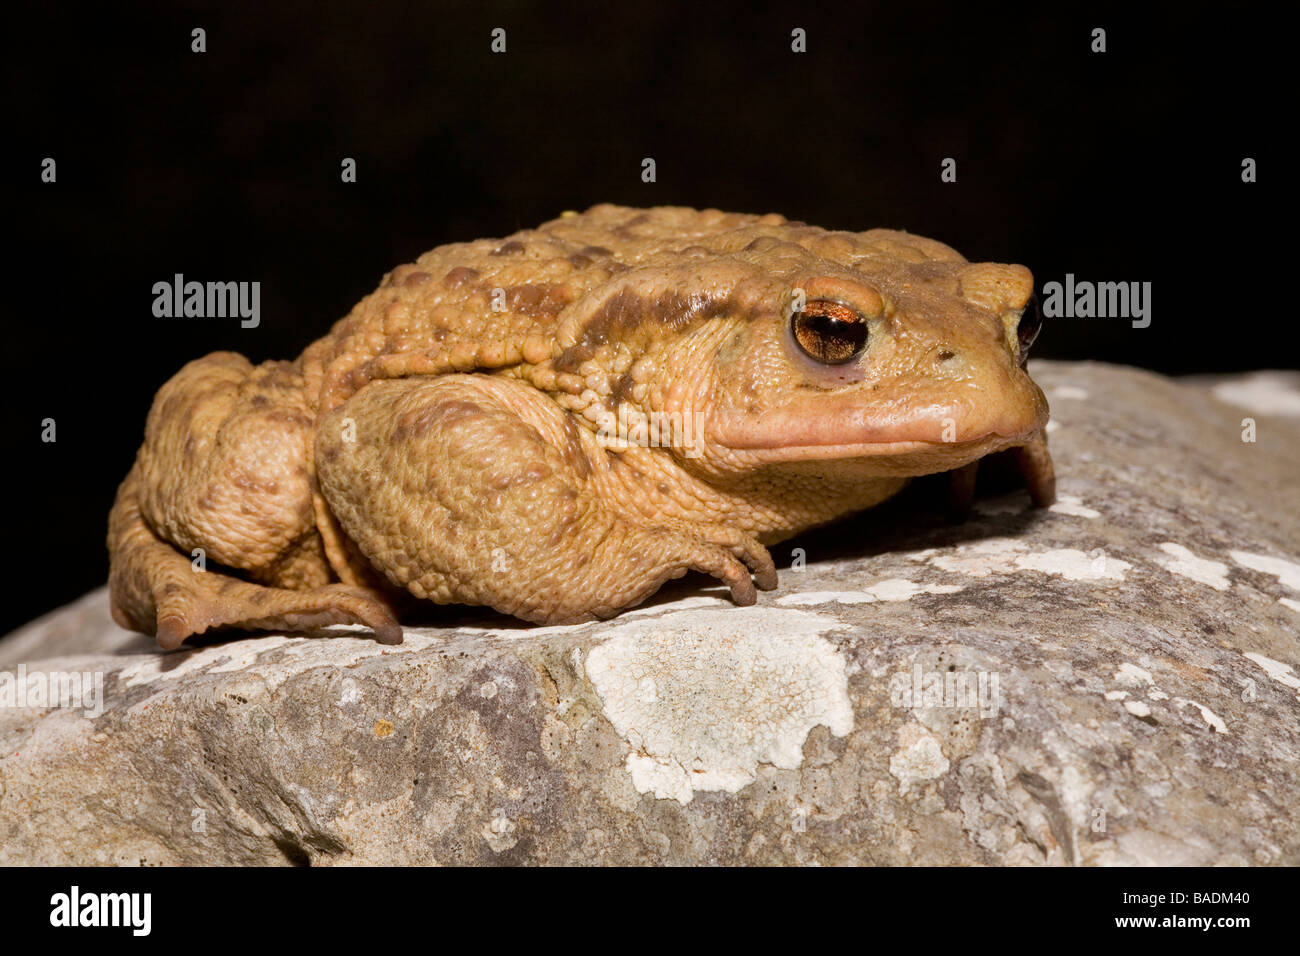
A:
1138	703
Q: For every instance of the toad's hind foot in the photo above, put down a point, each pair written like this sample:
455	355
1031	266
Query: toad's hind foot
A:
156	589
222	473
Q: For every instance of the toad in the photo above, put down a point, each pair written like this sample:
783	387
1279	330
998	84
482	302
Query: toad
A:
555	424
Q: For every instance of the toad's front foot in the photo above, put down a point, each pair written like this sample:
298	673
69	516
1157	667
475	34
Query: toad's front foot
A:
651	556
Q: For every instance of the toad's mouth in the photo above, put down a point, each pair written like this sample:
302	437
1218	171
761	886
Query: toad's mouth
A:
904	441
910	457
944	436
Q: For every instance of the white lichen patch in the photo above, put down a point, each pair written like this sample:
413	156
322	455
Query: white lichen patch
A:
901	589
703	697
1139	677
1264	393
890	589
1075	565
1073	505
499	832
245	657
232	657
350	693
1209	716
561	630
681	604
1007	556
815	598
1134	676
1286	572
507	633
1137	708
918	757
1182	561
1130	675
979	560
1280	672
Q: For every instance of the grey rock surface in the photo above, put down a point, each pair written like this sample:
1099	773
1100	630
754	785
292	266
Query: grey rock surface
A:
1115	680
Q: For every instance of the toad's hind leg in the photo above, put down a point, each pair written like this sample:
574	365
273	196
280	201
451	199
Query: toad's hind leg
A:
223	470
476	489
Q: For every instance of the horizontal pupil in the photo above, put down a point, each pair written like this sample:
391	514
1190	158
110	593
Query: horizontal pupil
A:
825	327
829	336
828	326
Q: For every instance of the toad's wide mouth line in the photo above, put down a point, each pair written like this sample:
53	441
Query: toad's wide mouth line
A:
859	431
969	449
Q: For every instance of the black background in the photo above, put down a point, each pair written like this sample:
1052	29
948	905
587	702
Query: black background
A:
225	166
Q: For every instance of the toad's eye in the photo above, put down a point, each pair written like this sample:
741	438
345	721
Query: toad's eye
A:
1031	321
830	332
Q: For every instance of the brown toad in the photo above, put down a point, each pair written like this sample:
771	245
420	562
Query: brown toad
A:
555	424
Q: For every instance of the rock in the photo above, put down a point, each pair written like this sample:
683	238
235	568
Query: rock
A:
1115	680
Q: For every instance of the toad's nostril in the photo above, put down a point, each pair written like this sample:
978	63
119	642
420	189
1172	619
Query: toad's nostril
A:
945	355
